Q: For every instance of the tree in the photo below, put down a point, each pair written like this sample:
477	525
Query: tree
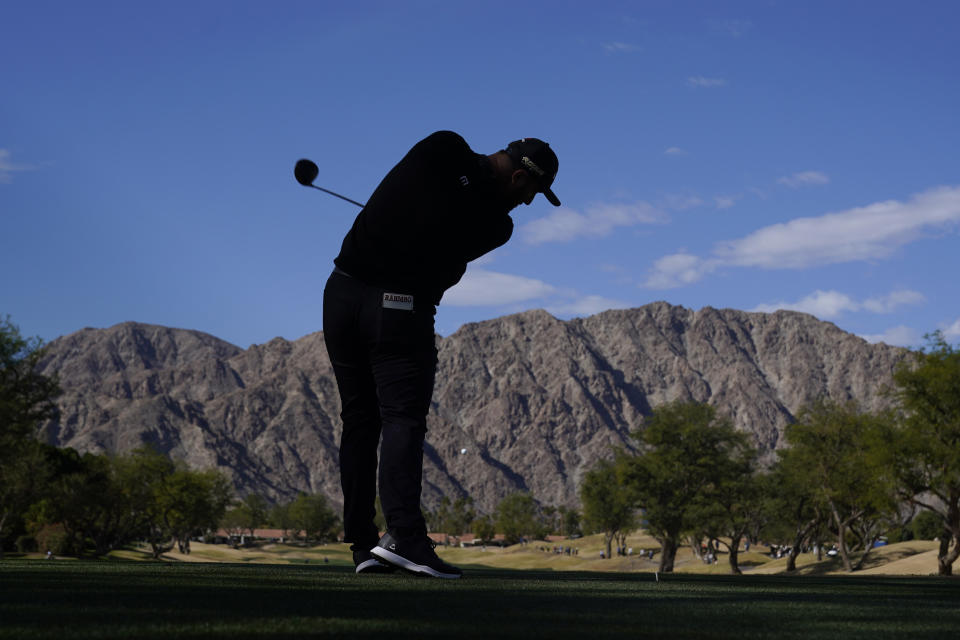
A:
789	504
252	512
839	452
97	509
569	521
927	525
731	504
170	501
453	518
192	501
607	504
312	514
26	399
24	481
141	475
103	502
281	518
683	445
517	517
560	520
926	459
484	528
234	522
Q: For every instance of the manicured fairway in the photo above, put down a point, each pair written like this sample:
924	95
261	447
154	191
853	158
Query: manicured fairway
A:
111	599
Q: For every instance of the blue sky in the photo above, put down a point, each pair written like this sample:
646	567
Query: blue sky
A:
748	155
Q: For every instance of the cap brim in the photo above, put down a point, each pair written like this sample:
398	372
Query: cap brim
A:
554	200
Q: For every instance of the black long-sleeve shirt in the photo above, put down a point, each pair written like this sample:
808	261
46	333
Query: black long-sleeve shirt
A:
434	212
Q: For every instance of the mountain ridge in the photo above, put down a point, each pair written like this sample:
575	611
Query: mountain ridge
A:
525	402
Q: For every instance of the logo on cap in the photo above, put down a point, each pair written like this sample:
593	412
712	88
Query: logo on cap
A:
530	164
538	158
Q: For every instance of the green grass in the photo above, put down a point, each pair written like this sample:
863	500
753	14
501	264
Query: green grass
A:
125	599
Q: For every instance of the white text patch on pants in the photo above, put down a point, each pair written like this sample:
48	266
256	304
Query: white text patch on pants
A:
398	301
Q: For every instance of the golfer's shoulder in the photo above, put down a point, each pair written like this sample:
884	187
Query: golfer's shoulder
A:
445	142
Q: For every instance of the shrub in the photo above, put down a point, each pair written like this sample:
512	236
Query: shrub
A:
53	537
927	525
25	544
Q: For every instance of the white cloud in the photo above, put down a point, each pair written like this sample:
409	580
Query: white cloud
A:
865	233
724	202
897	336
620	47
677	270
831	304
952	332
480	287
680	203
675	151
7	167
804	178
889	302
487	258
586	306
823	304
704	82
566	224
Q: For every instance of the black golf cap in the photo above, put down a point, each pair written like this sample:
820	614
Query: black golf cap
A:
538	159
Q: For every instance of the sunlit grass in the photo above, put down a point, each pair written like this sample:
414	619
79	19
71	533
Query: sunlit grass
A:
905	558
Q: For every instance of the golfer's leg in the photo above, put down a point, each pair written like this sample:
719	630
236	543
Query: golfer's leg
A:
404	365
344	334
358	455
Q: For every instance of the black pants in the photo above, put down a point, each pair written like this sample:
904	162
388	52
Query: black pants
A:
384	360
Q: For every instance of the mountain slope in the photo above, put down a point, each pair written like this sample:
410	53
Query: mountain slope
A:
523	402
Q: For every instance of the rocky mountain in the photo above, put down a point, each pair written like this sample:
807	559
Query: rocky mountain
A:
523	402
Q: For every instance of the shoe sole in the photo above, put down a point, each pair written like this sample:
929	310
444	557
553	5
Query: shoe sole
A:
374	566
399	561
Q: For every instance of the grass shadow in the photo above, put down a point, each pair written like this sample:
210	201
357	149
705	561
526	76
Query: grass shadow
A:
162	600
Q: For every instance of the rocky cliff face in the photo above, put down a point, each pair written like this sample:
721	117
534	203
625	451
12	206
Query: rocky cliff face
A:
524	402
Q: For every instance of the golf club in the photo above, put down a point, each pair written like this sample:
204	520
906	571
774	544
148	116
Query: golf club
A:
305	171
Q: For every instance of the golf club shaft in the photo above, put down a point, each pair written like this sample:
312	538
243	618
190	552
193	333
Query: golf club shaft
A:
359	204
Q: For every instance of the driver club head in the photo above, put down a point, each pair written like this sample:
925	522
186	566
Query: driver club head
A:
305	171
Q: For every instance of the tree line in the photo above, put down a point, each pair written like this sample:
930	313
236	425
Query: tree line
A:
845	477
517	517
308	517
92	504
59	500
